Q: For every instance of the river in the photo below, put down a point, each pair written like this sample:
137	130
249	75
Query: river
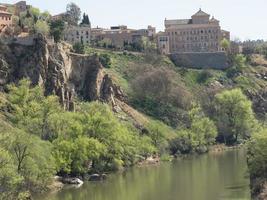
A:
213	176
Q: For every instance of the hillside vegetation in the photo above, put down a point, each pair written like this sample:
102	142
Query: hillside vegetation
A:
167	110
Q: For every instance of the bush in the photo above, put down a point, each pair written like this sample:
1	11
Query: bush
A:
105	60
78	48
203	76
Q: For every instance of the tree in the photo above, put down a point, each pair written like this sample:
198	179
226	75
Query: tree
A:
157	134
41	27
257	160
35	13
85	20
73	14
9	178
26	162
235	118
225	44
57	29
239	60
31	111
203	130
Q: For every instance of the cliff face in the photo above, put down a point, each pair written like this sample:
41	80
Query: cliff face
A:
58	70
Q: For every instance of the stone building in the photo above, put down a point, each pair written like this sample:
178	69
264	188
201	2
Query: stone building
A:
163	43
58	16
76	34
20	7
119	36
198	34
5	18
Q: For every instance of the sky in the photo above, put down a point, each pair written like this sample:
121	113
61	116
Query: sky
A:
245	19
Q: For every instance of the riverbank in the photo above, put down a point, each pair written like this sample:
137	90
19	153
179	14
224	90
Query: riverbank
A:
58	184
180	178
222	147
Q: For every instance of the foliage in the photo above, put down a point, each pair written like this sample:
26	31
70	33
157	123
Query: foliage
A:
34	20
78	48
239	60
257	160
30	110
85	20
201	133
257	154
159	92
41	27
89	140
26	162
235	118
225	44
73	14
105	60
56	29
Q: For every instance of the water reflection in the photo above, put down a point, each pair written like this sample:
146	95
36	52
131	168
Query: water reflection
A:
207	177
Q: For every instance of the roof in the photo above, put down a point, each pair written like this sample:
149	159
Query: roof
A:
177	21
200	13
5	13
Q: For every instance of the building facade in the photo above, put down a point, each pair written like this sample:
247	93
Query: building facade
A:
5	18
119	36
198	34
163	43
78	34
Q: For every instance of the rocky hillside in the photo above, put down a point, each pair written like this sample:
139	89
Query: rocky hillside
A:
59	71
71	75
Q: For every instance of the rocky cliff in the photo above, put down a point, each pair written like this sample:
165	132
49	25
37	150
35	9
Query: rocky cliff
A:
58	70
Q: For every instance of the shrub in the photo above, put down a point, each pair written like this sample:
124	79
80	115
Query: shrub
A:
78	48
105	60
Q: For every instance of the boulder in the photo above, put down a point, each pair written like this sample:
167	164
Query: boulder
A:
97	177
72	181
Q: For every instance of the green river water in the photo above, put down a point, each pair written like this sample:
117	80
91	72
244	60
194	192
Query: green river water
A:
220	176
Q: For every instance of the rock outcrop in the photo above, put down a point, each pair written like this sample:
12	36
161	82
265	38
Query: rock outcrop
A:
58	70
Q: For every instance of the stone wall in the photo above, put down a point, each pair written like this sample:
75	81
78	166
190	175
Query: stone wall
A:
216	60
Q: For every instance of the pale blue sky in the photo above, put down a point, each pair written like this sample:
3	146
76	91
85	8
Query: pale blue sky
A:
246	19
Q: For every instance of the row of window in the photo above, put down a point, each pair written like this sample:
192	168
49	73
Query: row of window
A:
78	33
163	39
206	37
194	32
6	18
192	45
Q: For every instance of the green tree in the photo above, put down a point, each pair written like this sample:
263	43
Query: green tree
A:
157	134
41	27
85	20
34	13
257	160
203	130
239	60
235	118
225	44
56	29
30	110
